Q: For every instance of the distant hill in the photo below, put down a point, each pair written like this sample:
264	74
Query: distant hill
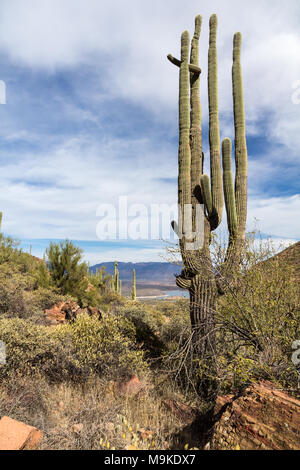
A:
292	256
155	278
152	278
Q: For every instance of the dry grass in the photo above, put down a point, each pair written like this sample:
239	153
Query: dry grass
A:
90	416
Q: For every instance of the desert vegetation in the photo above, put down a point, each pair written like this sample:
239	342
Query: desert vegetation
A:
63	378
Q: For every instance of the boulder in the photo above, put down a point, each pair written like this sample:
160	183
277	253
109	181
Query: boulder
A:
128	387
68	311
263	418
15	435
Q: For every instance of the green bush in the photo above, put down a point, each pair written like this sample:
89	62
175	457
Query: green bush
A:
75	350
177	329
29	347
148	322
104	347
258	319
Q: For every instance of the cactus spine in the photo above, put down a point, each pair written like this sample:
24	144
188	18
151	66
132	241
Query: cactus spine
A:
133	291
195	188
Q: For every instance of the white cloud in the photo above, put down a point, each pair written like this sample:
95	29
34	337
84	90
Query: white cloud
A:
56	195
276	216
126	43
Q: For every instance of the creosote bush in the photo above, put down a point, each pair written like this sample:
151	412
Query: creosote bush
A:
72	351
105	347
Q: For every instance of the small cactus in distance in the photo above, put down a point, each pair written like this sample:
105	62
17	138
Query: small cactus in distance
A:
116	280
133	290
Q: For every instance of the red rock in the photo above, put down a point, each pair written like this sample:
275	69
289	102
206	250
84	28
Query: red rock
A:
263	418
56	315
15	435
130	387
68	311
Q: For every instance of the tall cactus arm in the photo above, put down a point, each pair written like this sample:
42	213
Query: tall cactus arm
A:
229	188
206	193
192	68
240	137
236	242
196	131
184	154
183	283
214	129
133	291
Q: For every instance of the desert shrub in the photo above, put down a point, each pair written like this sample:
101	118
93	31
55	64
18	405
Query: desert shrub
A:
89	297
71	351
13	286
176	329
104	347
29	347
148	322
19	273
112	299
259	318
19	296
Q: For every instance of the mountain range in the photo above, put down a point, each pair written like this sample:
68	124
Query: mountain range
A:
151	278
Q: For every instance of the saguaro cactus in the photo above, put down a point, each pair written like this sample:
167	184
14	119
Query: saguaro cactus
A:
195	188
133	290
117	282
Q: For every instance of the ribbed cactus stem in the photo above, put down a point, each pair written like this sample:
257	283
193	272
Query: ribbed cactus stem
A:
112	283
192	68
133	291
214	128
184	154
196	116
240	137
206	193
229	194
116	278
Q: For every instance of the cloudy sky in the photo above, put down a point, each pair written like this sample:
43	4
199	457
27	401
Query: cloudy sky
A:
91	112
